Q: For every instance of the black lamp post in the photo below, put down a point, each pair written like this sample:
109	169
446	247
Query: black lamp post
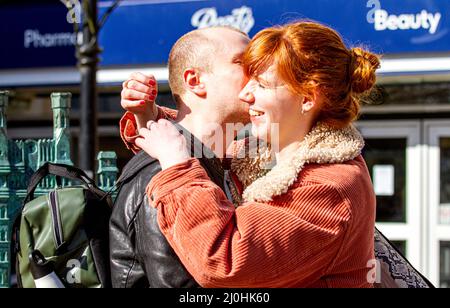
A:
87	54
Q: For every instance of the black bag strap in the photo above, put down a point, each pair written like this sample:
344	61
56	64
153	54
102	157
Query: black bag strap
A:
430	285
59	170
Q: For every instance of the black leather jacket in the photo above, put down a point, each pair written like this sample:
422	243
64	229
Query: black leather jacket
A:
140	254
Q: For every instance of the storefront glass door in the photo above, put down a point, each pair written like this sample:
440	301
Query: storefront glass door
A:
437	164
393	156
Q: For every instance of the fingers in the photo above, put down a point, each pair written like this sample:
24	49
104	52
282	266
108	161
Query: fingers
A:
165	122
130	94
149	124
140	87
158	129
163	142
140	142
131	104
144	79
144	133
168	127
136	97
144	141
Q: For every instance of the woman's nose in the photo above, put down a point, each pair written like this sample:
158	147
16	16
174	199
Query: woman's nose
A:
246	95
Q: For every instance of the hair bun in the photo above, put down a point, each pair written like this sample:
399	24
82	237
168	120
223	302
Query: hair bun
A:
362	70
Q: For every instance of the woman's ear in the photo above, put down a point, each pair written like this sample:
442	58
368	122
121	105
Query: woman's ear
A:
308	104
311	102
193	82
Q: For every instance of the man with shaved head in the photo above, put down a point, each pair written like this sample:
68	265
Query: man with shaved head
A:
205	76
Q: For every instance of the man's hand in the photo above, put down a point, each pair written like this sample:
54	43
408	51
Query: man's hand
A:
138	97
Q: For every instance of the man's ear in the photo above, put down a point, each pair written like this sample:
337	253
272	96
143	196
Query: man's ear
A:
193	82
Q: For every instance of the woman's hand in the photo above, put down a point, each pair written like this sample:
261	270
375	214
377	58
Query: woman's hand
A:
161	140
138	97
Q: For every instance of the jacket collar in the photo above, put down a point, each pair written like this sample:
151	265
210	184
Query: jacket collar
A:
262	180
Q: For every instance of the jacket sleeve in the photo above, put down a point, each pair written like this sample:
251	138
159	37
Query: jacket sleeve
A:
124	272
140	254
226	247
161	265
128	126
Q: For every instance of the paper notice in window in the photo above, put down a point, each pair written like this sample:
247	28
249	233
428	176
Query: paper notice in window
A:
444	214
383	180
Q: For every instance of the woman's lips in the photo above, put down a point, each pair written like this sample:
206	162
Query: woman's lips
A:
255	113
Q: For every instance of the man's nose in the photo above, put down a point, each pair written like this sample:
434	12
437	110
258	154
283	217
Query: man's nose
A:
246	95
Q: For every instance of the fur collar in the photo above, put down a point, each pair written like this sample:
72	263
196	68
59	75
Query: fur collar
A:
262	179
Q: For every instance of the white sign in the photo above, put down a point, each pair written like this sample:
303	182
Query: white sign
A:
444	214
241	18
34	39
425	20
383	180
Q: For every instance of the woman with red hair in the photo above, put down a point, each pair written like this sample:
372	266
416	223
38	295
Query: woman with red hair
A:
308	220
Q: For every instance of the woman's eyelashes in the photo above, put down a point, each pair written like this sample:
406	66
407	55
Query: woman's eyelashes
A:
263	84
260	85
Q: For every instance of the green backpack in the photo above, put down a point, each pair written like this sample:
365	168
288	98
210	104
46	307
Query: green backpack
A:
64	232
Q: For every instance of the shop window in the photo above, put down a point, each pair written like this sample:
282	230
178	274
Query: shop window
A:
386	160
407	98
401	246
444	204
445	170
445	264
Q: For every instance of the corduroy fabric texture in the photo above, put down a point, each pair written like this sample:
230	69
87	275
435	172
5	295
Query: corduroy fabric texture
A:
315	230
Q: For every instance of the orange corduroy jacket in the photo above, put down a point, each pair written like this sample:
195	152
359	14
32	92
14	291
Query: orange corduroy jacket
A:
319	233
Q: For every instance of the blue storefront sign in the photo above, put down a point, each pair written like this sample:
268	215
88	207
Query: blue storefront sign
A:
142	32
36	36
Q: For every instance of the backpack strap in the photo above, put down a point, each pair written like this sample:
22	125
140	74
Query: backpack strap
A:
59	170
